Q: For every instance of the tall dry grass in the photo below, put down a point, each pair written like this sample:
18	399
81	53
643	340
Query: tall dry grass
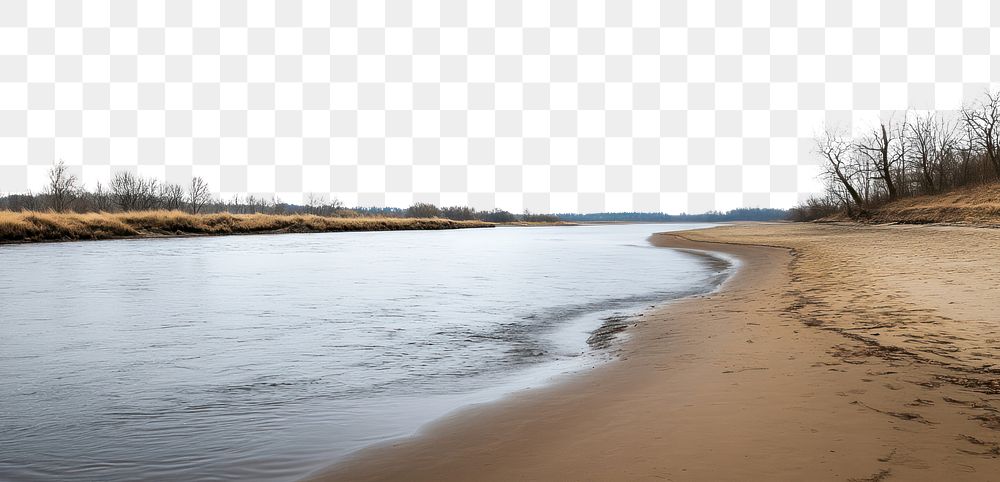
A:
979	205
31	226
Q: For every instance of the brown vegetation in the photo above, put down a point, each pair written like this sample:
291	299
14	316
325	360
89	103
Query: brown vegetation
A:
31	226
978	205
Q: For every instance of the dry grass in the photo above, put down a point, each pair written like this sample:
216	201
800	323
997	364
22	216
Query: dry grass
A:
978	205
28	226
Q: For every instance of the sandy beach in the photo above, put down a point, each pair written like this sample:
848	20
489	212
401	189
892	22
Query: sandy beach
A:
835	352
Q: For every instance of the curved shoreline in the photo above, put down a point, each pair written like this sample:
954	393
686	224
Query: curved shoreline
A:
816	360
459	446
722	266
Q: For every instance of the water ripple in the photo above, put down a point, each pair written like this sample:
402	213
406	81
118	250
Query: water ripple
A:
265	357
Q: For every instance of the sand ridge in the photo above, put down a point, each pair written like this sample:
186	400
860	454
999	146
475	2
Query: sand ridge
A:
836	352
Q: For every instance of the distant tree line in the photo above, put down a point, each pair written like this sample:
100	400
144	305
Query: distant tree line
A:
912	155
464	213
455	213
741	214
127	192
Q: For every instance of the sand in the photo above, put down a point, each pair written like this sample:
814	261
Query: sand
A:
835	352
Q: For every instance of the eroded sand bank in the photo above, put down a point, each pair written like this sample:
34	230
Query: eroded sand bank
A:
838	352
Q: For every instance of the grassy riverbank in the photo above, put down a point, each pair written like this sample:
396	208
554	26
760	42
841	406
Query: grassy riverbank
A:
29	226
977	205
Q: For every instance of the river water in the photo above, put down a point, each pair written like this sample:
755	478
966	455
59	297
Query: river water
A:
268	357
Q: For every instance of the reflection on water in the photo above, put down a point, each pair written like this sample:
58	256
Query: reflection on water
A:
267	357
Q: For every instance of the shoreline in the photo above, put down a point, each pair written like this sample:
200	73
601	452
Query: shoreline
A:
739	383
19	228
609	329
415	454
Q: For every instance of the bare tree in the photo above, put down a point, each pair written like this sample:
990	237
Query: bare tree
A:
125	190
314	202
133	193
321	204
900	152
252	204
235	205
100	198
966	157
198	194
278	206
983	122
63	188
171	197
921	137
929	153
933	140
841	166
875	147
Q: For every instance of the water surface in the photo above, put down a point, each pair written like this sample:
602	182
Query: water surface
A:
268	357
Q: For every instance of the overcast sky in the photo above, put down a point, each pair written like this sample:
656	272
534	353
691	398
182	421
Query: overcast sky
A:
557	106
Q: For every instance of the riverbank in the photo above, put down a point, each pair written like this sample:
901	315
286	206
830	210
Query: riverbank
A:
967	206
28	226
835	352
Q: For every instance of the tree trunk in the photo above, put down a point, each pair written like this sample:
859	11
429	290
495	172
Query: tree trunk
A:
884	166
850	189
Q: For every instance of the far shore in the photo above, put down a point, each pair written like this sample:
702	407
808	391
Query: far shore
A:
835	352
32	227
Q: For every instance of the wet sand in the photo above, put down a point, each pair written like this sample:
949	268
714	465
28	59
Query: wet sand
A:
835	352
